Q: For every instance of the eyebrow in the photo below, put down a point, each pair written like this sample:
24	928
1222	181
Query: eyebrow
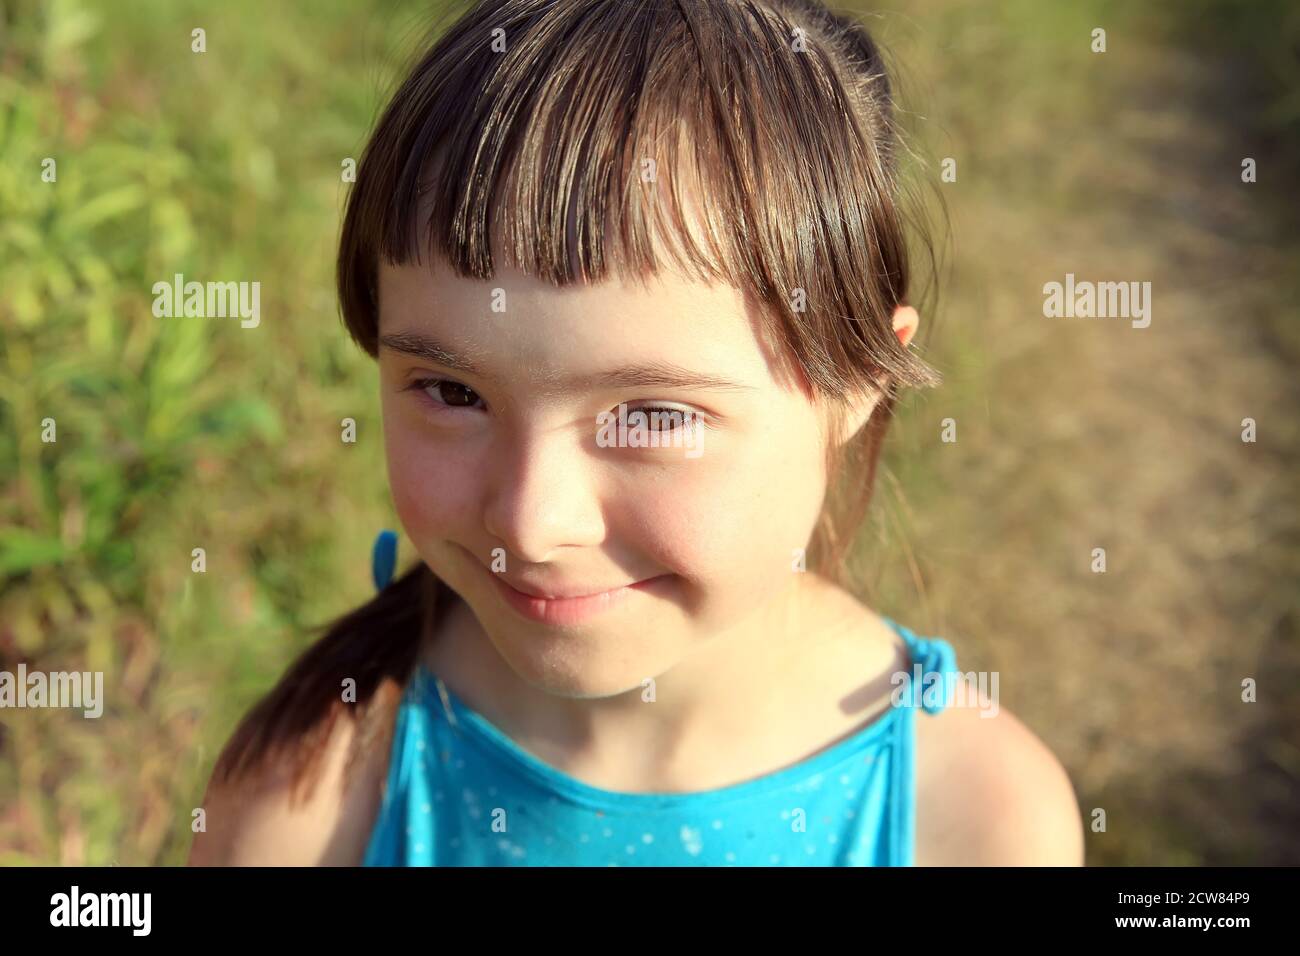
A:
645	375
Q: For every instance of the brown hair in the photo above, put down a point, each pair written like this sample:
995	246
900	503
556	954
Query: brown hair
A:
529	124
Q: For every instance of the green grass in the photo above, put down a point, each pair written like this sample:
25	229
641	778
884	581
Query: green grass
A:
173	434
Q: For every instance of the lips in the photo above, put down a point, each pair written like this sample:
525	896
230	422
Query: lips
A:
562	592
571	606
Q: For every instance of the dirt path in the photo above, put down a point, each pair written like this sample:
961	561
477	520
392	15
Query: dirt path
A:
1078	434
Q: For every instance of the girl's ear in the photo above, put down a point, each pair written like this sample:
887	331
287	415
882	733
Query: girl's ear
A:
905	322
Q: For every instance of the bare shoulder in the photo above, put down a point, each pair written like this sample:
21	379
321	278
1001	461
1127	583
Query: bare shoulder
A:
990	792
264	820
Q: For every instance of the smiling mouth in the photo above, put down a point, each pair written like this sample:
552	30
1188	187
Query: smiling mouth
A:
572	609
567	594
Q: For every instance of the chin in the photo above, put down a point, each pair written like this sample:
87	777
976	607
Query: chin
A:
579	667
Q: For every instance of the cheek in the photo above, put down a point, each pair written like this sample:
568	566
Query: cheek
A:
433	489
733	521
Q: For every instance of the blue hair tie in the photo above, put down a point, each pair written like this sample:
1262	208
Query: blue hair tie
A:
384	559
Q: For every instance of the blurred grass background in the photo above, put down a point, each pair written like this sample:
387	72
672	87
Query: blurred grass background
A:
174	435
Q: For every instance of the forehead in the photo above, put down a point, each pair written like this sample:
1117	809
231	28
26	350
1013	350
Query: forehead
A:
514	323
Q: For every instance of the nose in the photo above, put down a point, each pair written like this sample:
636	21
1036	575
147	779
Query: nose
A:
541	497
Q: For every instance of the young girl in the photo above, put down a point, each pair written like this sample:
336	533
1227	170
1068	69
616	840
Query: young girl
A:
632	645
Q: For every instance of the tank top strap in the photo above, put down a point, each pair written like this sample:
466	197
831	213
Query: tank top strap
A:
383	558
933	669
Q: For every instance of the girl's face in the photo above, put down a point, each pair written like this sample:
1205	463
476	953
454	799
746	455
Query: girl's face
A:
506	482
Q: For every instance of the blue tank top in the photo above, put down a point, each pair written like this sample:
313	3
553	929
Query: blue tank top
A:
459	792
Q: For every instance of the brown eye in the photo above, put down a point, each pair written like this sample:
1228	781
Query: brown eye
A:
457	395
446	394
